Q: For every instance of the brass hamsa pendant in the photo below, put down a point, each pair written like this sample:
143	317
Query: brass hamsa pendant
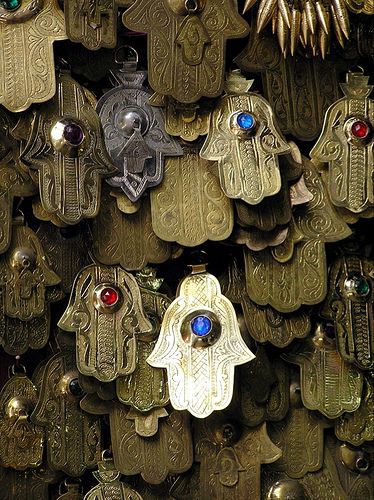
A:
73	438
299	89
245	140
93	23
347	143
230	458
349	306
264	390
25	275
110	487
70	490
328	383
105	310
127	239
27	31
21	442
199	345
187	61
358	427
134	133
16	336
189	207
66	147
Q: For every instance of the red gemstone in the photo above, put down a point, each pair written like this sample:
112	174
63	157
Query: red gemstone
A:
109	296
360	129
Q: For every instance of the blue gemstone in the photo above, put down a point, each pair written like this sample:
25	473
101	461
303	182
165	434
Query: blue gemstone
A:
201	326
246	121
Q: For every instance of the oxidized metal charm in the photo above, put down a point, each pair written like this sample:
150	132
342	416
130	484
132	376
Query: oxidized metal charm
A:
106	312
186	50
127	239
25	485
25	275
199	344
245	140
21	442
347	144
16	336
189	207
134	133
76	450
349	306
67	149
328	383
110	487
230	458
26	35
70	490
93	23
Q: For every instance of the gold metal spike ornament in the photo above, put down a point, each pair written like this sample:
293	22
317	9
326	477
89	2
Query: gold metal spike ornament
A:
27	31
106	312
245	140
21	442
66	147
93	23
186	51
189	207
199	345
347	144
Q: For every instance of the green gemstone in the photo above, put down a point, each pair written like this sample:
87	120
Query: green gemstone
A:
362	286
11	4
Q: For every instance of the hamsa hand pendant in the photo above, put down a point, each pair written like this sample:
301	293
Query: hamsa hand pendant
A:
134	133
25	485
73	438
21	442
347	144
105	310
26	35
245	140
93	23
25	275
328	383
67	149
189	207
186	51
199	345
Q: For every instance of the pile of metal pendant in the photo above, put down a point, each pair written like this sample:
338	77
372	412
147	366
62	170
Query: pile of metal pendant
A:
186	250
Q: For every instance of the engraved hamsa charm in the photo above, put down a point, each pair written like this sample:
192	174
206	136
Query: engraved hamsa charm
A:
347	144
21	442
105	310
27	31
245	140
73	438
328	383
186	50
199	345
67	149
93	23
134	133
25	275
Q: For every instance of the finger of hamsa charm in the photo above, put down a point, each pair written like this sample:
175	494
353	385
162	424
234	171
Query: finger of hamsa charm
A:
127	239
25	275
187	61
26	35
21	442
93	23
25	485
66	147
199	345
73	438
110	487
106	312
349	306
328	383
189	207
347	143
134	133
230	458
245	140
